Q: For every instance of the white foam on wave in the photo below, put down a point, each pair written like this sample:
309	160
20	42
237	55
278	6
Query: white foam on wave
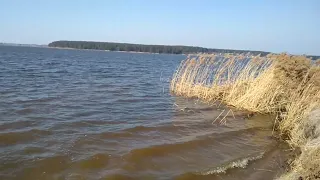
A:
241	163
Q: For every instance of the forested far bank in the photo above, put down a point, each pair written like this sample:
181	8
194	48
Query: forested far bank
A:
167	49
111	46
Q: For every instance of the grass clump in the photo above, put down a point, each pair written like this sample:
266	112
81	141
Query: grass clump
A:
285	85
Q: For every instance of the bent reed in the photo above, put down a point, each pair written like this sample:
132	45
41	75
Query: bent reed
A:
284	85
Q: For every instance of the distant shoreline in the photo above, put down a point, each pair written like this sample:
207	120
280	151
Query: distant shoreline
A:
68	48
145	48
313	57
108	50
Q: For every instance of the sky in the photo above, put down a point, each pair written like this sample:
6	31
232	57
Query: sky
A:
270	25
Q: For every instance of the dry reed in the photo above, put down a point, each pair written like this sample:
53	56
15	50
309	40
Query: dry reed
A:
284	85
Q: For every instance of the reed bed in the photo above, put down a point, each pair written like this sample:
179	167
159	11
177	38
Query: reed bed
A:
284	85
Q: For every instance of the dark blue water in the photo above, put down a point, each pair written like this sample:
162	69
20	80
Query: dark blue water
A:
121	86
79	114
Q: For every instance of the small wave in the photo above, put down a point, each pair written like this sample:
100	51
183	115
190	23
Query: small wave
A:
96	161
34	150
15	137
134	132
46	167
152	128
24	111
240	163
74	126
5	92
120	177
16	125
111	135
130	100
39	100
86	113
165	149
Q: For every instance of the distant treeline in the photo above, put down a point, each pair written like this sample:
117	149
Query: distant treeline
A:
111	46
144	48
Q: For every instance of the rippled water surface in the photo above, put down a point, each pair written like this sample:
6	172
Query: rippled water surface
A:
77	114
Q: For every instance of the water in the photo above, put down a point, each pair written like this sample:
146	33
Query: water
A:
77	114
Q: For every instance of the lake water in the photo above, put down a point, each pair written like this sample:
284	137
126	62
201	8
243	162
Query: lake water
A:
78	114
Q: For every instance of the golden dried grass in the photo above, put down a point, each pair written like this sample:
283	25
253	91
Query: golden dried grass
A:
285	85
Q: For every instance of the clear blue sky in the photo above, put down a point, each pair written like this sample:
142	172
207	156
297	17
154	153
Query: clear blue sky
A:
272	25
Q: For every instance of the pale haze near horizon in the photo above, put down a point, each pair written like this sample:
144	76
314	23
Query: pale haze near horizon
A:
277	26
